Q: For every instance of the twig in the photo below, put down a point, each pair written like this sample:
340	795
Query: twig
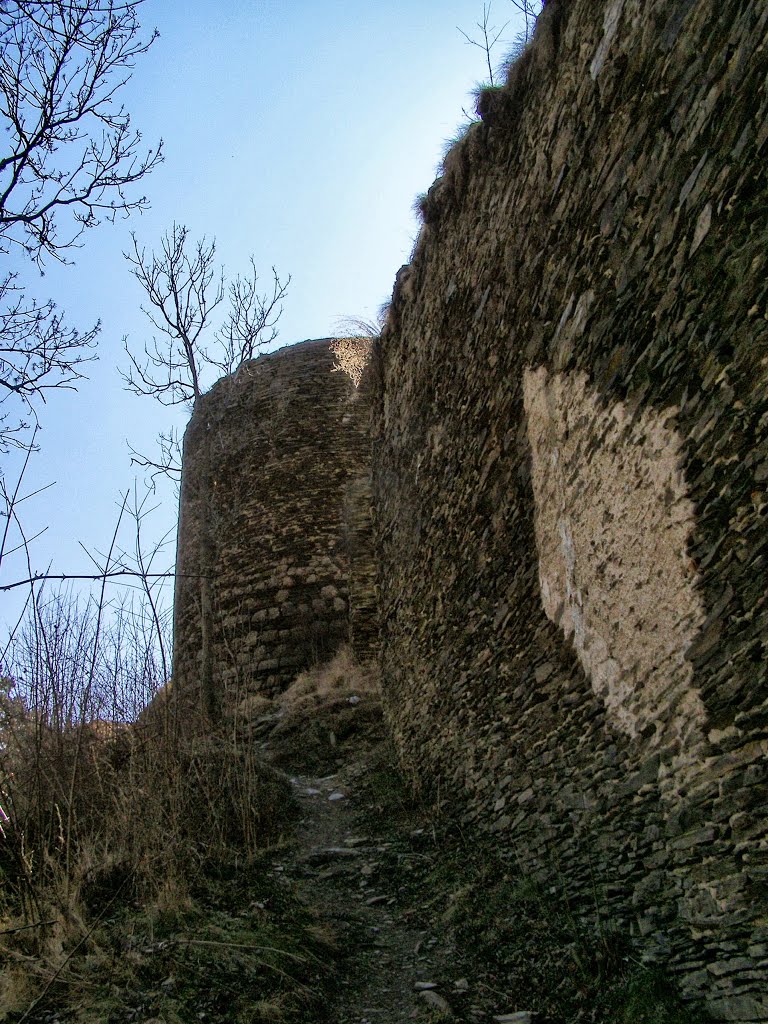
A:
487	43
42	577
495	991
25	927
240	945
26	541
11	500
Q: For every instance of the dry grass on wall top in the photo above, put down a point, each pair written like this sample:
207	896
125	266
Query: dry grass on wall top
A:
343	675
327	710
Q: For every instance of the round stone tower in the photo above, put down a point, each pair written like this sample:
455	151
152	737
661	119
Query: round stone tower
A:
274	561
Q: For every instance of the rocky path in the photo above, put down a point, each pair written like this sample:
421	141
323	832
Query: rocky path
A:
386	878
372	907
369	867
343	868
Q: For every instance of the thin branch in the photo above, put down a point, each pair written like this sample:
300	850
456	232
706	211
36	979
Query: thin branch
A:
168	464
12	500
251	324
27	541
26	927
43	577
239	945
490	37
183	288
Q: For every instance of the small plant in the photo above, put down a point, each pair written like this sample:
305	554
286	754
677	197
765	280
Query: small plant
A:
643	995
490	37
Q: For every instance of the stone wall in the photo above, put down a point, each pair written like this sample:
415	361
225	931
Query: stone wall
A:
570	466
275	499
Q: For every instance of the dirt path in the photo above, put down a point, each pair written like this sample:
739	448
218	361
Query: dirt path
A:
341	869
359	860
387	881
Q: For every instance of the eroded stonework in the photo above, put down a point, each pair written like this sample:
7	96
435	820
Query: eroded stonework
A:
570	485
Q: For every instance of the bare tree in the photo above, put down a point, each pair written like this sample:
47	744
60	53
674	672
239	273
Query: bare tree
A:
530	10
62	65
489	38
184	287
68	157
251	323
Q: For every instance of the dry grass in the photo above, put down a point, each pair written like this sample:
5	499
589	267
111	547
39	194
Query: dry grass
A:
125	847
146	891
326	711
249	708
342	676
353	354
146	820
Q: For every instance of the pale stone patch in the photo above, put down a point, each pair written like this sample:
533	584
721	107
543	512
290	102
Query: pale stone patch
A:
352	357
613	520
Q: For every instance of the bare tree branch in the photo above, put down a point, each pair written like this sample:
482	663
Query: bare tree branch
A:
530	10
61	68
183	287
68	159
114	574
490	37
252	320
38	353
168	461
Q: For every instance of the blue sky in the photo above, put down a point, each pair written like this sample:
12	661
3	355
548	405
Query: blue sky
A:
294	131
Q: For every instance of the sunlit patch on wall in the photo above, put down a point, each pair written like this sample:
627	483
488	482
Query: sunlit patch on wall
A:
613	520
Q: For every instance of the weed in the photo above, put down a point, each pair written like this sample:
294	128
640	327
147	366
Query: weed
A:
240	947
644	995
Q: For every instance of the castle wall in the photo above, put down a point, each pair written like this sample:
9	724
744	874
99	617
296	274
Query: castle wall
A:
271	455
570	466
